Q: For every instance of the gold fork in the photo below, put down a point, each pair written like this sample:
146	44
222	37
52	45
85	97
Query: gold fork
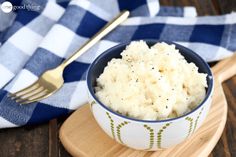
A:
52	80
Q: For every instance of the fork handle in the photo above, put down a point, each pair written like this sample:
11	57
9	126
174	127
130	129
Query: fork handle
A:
103	32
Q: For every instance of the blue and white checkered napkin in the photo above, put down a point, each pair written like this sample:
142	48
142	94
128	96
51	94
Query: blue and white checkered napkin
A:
38	40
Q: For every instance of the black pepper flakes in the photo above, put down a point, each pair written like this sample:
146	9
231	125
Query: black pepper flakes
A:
166	107
153	68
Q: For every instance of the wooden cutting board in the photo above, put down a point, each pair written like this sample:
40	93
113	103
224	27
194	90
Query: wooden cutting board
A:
81	135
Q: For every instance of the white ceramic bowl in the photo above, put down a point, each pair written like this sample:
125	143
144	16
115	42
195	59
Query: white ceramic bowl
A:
144	134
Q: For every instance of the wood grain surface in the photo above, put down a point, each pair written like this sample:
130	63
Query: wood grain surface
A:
42	140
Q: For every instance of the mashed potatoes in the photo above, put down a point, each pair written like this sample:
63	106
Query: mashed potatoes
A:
151	83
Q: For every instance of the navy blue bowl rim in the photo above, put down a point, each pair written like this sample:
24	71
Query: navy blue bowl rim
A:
91	88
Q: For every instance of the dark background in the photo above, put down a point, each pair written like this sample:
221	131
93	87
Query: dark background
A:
42	140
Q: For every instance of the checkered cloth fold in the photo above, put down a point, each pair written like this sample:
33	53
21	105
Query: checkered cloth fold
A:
35	41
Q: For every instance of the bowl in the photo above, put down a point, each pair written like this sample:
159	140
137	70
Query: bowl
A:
147	134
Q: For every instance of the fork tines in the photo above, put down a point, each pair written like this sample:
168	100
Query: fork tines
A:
29	94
